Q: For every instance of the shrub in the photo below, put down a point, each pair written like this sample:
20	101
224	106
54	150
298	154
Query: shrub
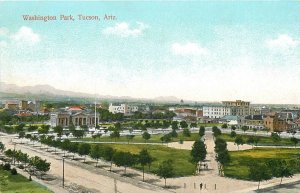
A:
6	166
14	171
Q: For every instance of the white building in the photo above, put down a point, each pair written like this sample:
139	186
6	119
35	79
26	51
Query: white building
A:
122	108
216	111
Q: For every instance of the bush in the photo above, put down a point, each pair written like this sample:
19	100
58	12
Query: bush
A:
14	171
6	167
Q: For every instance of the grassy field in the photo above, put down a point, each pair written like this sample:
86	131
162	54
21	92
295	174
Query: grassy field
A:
139	139
262	140
240	160
181	158
18	183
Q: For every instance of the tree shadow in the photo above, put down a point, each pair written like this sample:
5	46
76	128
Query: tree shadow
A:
130	175
152	181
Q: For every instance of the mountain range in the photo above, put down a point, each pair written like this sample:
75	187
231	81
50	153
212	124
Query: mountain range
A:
47	90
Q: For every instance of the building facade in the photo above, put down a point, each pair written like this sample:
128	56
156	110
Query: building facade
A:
254	121
12	105
238	107
66	117
216	111
122	108
275	124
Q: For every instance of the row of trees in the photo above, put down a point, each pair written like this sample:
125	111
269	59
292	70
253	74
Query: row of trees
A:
96	152
35	162
253	140
259	171
119	158
166	115
8	117
222	154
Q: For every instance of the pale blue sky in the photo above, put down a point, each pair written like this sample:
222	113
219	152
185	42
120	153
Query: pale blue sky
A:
208	51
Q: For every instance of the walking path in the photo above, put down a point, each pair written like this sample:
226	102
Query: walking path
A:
93	179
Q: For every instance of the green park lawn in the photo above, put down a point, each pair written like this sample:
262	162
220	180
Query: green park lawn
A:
267	141
20	184
181	158
240	160
139	139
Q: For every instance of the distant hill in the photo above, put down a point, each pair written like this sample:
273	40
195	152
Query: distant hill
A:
43	92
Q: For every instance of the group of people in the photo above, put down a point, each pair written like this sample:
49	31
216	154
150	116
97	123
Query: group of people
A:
205	166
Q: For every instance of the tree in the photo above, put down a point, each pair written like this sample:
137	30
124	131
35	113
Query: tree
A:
223	158
275	137
281	168
32	128
239	141
20	127
166	138
39	164
256	140
84	149
220	145
233	128
186	132
74	148
250	140
174	134
165	170
216	131
78	133
125	159
44	129
245	128
94	137
224	126
174	125
59	130
2	147
294	140
222	155
95	153
115	134
144	159
21	135
183	124
198	152
108	155
201	131
99	136
66	145
233	134
259	172
146	136
130	137
193	125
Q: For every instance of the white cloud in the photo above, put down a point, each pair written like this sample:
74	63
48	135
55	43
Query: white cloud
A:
125	30
282	42
26	35
188	49
3	31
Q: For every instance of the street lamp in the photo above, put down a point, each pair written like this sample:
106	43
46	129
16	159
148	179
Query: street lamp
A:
63	182
14	154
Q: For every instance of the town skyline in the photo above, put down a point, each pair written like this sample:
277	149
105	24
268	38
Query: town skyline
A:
244	50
